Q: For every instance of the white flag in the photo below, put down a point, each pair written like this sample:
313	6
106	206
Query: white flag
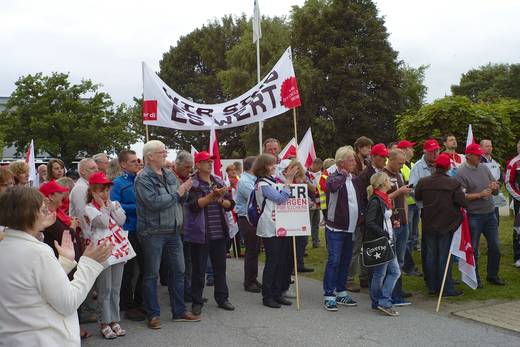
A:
306	151
289	150
470	139
257	27
31	161
462	249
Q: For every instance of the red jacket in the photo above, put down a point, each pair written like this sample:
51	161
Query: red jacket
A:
512	177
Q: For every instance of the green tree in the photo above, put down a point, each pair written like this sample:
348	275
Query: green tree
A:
413	91
349	73
67	120
452	114
490	82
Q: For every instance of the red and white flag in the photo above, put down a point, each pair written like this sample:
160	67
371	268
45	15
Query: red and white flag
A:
31	161
470	138
306	151
215	153
289	150
462	249
193	151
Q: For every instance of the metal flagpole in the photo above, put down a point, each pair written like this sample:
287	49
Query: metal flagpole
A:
260	124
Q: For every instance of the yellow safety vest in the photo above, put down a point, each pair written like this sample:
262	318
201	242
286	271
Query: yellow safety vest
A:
323	197
405	171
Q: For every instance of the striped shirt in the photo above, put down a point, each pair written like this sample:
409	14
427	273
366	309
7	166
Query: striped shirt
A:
214	221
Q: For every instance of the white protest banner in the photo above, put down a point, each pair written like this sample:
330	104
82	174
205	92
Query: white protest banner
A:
272	96
292	218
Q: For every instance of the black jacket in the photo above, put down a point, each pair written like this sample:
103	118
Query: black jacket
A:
442	198
374	219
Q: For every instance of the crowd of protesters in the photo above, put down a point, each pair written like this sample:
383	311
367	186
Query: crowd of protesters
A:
178	215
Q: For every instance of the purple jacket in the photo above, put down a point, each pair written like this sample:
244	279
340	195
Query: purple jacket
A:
337	200
195	226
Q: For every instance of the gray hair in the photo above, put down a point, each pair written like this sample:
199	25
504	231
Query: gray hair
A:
183	157
151	146
99	157
343	152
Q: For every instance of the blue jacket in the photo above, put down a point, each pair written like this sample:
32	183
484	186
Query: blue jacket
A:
123	191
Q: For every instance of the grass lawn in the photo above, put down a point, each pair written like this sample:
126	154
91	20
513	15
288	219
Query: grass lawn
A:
317	257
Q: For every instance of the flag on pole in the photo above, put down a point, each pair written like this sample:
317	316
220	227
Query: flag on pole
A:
306	150
31	161
193	151
470	138
257	27
462	249
215	153
289	150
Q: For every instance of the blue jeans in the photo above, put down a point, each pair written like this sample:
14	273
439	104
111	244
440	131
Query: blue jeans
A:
486	224
153	246
413	225
401	238
339	247
437	251
384	278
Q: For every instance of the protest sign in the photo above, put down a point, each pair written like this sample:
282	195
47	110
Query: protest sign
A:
292	218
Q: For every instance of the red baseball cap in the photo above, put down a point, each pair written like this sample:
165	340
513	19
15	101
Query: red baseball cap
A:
474	148
431	145
405	144
443	161
99	178
202	156
52	187
379	149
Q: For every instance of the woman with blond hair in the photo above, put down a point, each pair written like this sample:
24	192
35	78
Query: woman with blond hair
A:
379	223
20	171
343	211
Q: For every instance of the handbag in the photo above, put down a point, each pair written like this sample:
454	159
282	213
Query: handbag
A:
377	252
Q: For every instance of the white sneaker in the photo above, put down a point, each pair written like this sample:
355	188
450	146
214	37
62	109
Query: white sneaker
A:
517	263
290	293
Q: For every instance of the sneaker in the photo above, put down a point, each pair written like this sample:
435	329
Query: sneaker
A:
353	287
187	317
401	302
330	305
345	300
289	293
517	263
388	311
210	282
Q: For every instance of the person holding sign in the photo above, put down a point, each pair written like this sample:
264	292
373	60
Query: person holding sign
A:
104	219
277	249
378	224
206	231
343	207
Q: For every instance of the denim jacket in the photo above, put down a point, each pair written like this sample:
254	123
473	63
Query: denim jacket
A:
123	191
159	206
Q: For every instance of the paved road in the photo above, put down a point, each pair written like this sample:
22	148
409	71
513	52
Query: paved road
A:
255	325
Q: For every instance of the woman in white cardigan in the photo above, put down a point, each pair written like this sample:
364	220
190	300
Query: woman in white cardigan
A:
38	303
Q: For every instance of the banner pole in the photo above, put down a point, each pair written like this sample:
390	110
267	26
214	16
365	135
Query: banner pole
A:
443	282
296	274
146	132
236	248
260	124
295	127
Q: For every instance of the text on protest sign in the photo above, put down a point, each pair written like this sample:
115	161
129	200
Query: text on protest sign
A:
292	218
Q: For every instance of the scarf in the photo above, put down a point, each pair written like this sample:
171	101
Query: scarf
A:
388	202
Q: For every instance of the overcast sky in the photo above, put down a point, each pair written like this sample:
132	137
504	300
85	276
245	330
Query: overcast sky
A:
106	40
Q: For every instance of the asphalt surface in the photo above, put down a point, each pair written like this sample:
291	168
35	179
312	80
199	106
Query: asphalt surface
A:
252	324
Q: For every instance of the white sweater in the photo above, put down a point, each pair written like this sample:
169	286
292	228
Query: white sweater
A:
38	303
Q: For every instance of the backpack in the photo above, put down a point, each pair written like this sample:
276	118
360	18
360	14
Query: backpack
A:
253	210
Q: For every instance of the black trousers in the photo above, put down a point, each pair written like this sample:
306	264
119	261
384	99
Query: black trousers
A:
252	242
187	267
516	237
216	250
130	296
277	276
